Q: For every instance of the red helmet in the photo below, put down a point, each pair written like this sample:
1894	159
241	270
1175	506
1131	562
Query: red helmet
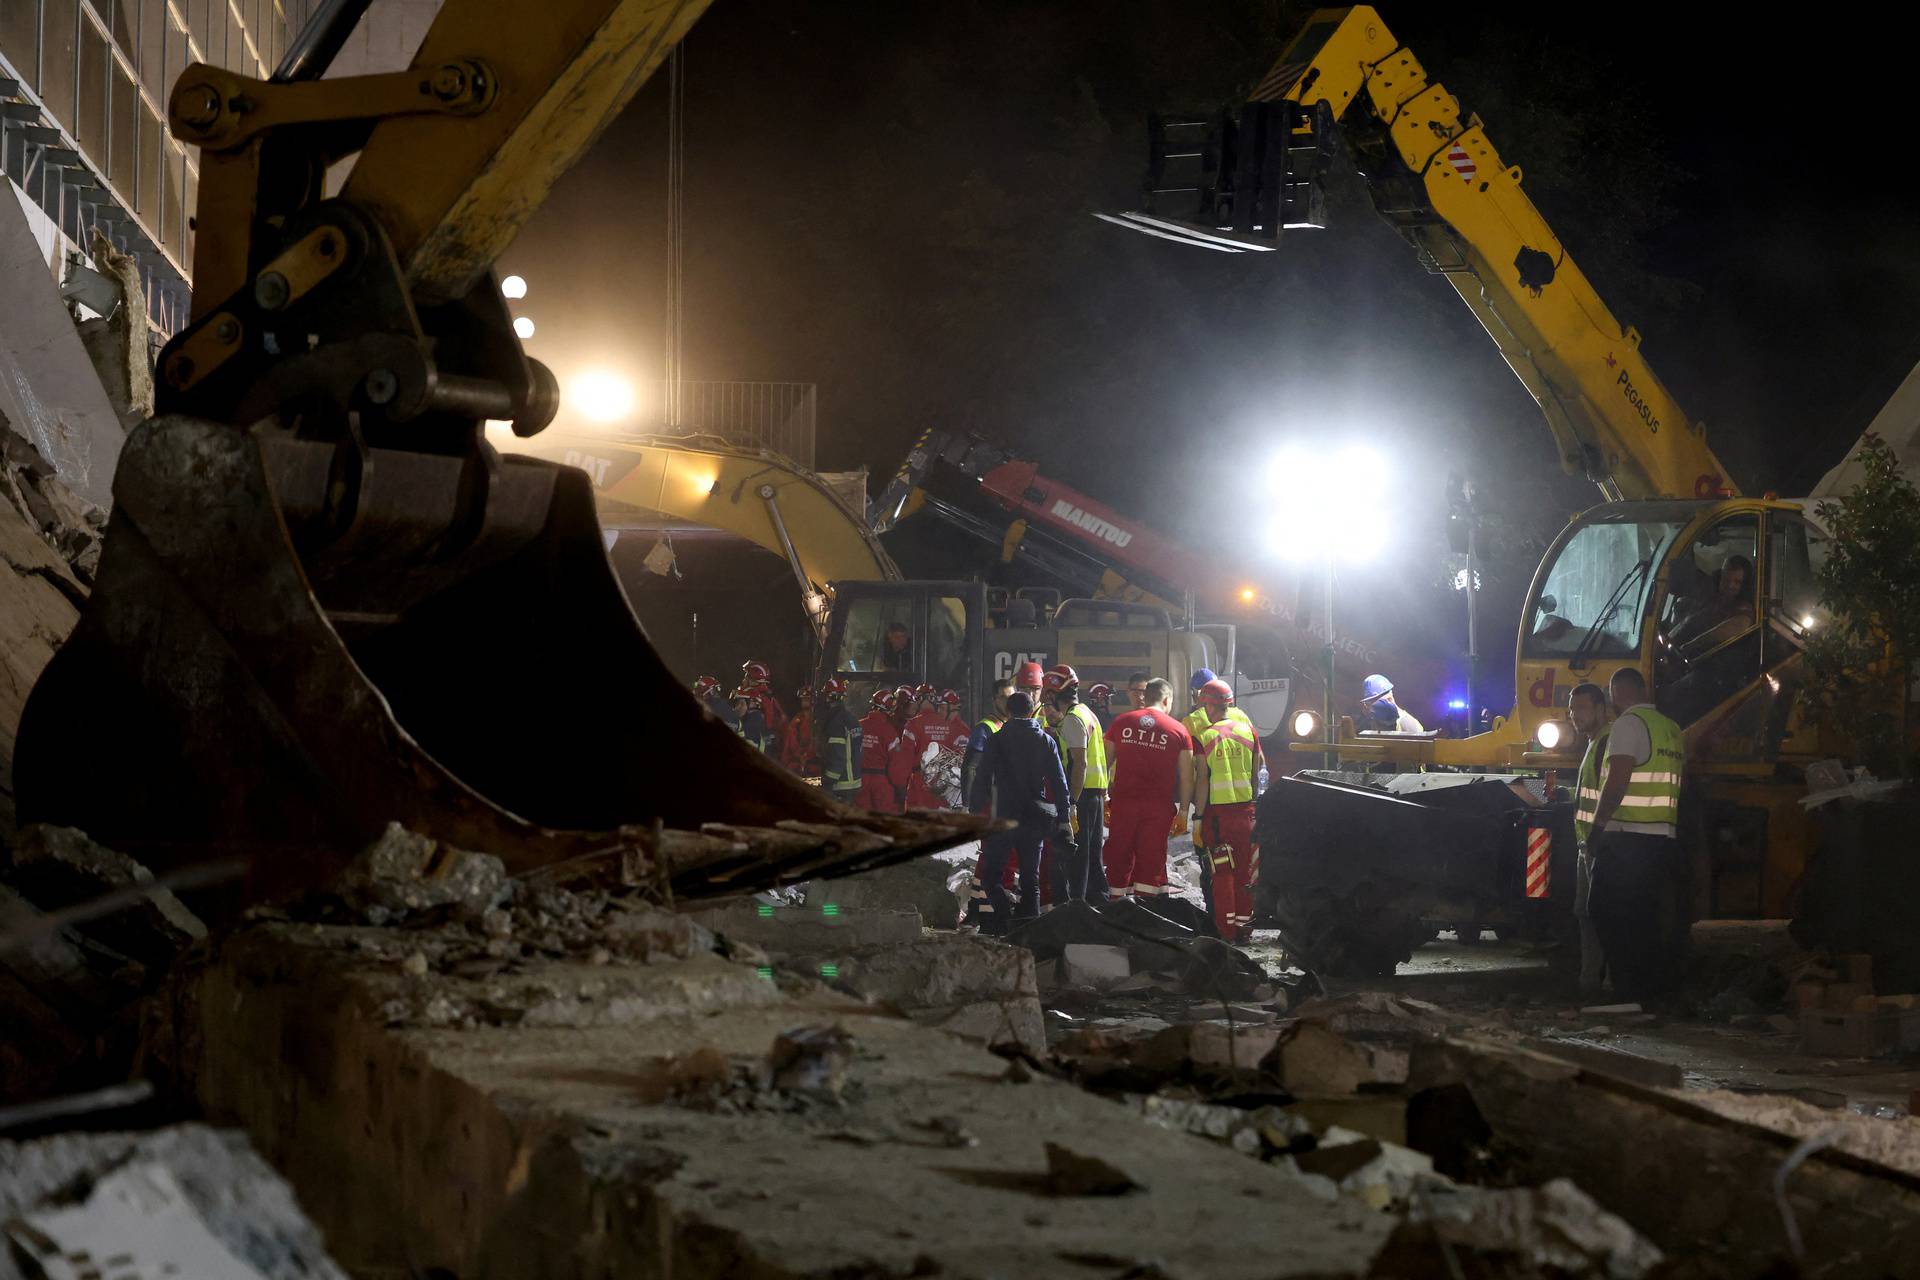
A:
882	700
1217	692
902	697
758	688
834	689
743	692
1100	693
752	672
705	686
1059	678
925	693
1028	676
949	698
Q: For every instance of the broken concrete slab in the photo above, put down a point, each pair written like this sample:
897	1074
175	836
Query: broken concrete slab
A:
243	1204
918	884
1594	1057
529	1151
975	987
404	872
1542	1118
784	931
1312	1060
1206	1048
57	867
1090	965
1555	1230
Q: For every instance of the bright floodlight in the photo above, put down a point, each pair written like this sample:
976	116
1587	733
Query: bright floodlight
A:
1306	725
1312	491
513	287
1549	734
523	327
1246	595
601	396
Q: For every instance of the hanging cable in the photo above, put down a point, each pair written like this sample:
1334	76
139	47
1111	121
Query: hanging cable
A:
676	233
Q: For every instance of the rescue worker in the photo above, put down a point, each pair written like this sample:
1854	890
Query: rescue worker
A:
1084	748
877	736
1100	698
753	721
935	742
1381	711
979	906
1637	869
896	653
1137	690
1028	680
1017	771
1587	707
1196	722
1228	757
758	677
1149	787
840	744
707	690
797	750
901	759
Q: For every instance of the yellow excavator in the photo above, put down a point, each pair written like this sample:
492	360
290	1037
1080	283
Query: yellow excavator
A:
1711	594
326	602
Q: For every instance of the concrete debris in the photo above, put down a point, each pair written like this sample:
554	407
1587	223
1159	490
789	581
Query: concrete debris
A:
971	986
404	872
1191	1050
117	342
1086	964
58	867
1553	1232
918	884
1312	1060
136	1221
1379	1174
67	523
1891	1141
798	931
1202	966
811	1062
180	1193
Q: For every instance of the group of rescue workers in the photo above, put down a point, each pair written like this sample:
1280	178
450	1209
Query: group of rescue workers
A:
1095	796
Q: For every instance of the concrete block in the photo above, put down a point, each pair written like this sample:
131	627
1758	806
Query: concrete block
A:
1086	964
1313	1061
918	884
975	987
1207	1048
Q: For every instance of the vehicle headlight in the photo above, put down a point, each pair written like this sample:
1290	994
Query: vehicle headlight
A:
1550	734
1306	725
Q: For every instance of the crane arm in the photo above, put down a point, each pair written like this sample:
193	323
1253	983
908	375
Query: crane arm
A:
1437	177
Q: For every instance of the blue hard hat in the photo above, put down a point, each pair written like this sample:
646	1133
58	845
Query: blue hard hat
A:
1375	686
1200	677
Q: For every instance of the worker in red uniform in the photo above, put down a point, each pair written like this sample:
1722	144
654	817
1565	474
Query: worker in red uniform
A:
901	759
1148	792
756	675
797	750
1227	759
936	740
877	736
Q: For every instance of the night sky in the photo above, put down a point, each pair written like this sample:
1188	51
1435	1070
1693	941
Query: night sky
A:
893	201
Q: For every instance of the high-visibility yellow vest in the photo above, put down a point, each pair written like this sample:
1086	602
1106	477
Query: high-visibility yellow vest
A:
1653	793
1587	798
1096	775
1197	722
992	723
1230	749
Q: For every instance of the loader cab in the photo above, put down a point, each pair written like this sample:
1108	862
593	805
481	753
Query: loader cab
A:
884	634
1709	598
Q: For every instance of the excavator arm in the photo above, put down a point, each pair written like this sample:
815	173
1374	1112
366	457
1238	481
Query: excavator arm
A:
1235	184
326	603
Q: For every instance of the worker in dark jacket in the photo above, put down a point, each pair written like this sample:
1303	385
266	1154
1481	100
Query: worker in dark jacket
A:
1018	766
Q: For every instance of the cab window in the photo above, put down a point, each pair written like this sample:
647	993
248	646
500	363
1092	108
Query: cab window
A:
878	635
1712	587
947	666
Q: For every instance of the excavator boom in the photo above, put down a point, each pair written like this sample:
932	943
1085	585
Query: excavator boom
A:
326	603
1437	177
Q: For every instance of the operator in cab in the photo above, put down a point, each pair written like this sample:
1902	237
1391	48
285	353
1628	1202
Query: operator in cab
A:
1381	712
1730	603
1636	900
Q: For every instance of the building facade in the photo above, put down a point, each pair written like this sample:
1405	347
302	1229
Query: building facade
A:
83	106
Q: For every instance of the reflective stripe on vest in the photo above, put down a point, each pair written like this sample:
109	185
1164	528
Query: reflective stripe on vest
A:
1197	722
1096	775
1230	751
993	725
1653	793
1587	800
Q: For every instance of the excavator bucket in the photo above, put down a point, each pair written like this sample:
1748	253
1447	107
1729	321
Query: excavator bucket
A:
250	678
